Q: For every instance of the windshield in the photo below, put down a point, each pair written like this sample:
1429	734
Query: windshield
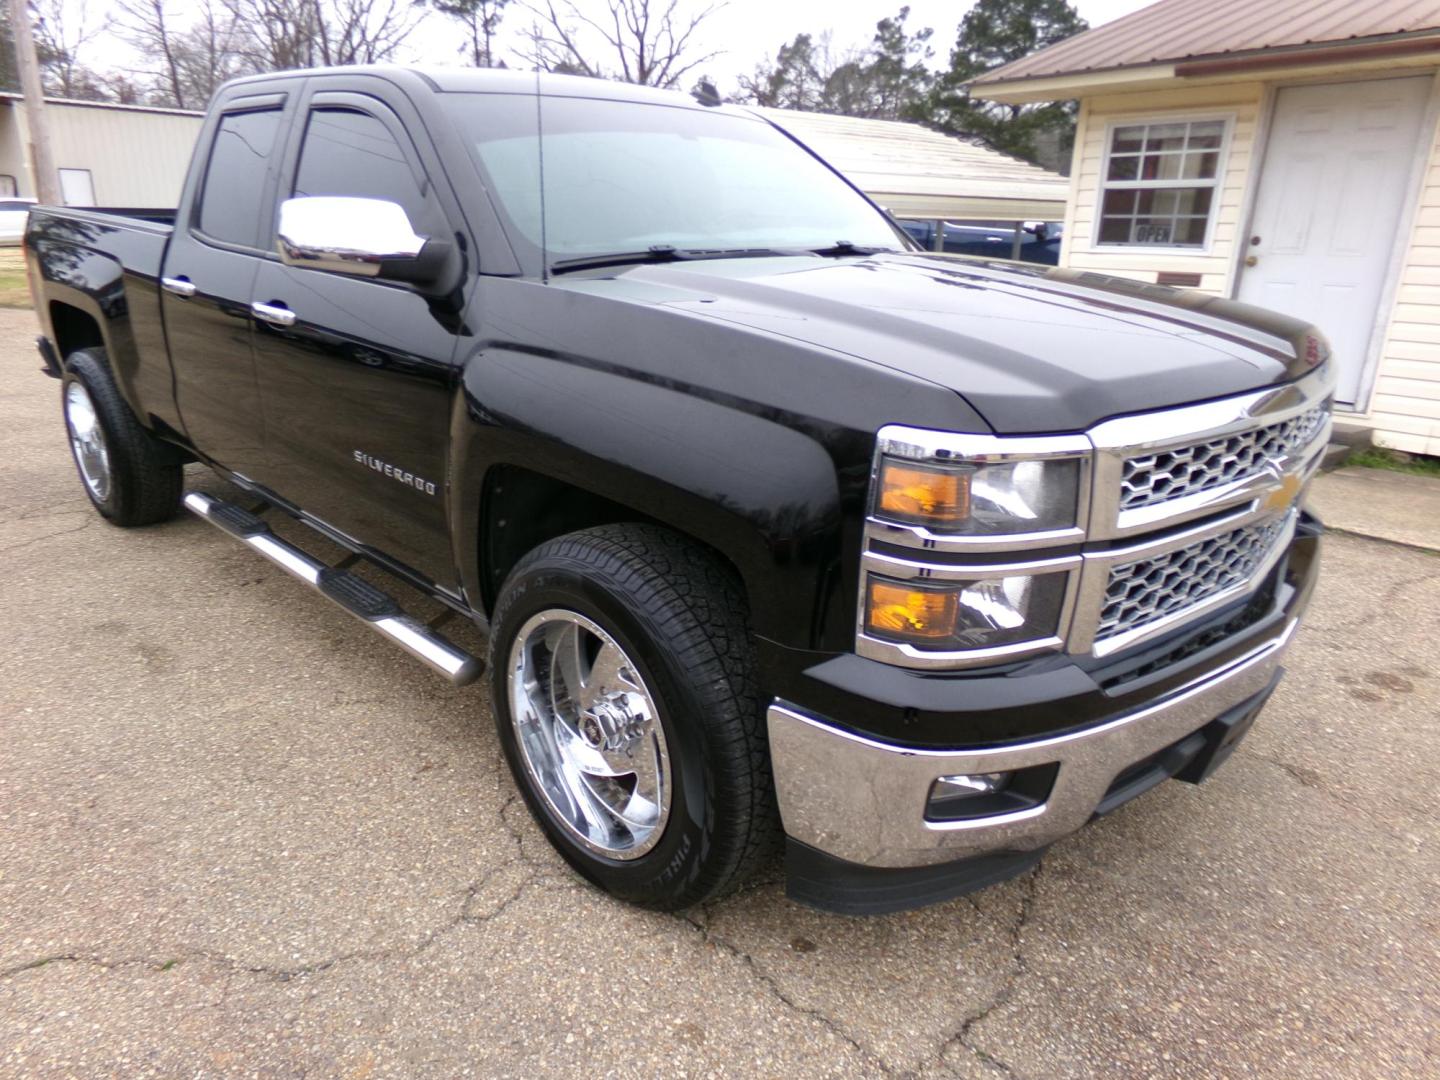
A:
627	176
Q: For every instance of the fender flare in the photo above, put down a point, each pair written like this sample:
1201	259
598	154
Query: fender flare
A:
761	492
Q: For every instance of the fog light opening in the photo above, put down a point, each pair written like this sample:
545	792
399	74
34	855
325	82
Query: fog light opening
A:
969	785
967	796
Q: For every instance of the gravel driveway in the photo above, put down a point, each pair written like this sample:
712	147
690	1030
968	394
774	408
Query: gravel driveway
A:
240	835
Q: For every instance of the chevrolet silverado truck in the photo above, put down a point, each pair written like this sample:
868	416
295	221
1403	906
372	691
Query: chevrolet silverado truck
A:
780	531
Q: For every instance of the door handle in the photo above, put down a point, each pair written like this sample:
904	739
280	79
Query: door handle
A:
274	314
1252	260
181	286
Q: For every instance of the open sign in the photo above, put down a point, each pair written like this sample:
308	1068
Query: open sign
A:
1153	233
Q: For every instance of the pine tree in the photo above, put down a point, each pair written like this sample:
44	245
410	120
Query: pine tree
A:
995	32
882	81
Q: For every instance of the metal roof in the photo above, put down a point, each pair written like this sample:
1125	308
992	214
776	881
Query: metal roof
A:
1174	30
918	173
9	98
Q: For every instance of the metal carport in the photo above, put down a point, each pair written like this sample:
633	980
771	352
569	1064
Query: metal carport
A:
917	173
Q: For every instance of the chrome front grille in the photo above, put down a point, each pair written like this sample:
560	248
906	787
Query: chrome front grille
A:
1187	470
1180	512
1148	590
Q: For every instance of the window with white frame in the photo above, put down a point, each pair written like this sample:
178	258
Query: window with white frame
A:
1161	183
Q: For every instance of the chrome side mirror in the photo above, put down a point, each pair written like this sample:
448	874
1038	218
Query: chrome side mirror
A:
365	237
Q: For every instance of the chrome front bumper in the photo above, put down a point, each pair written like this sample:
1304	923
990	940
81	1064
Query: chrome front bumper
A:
864	801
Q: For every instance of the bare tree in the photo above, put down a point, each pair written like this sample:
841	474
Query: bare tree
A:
61	31
122	89
282	34
481	19
193	49
208	53
279	34
650	42
150	27
365	31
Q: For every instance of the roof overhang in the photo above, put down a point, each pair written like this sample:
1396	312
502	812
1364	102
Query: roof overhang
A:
1249	66
1075	84
967	208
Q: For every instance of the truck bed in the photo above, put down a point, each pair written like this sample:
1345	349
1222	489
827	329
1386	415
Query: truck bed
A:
134	239
146	218
104	265
155	216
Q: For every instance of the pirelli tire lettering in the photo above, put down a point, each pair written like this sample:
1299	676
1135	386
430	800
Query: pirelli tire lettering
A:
394	472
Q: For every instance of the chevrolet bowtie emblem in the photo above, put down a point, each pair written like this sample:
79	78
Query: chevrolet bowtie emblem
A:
1283	495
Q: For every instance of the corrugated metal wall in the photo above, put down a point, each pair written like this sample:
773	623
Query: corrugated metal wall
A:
135	157
12	153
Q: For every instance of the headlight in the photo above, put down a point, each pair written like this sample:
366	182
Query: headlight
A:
971	547
984	613
979	498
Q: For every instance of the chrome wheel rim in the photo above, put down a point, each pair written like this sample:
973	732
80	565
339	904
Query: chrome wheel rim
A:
87	441
589	734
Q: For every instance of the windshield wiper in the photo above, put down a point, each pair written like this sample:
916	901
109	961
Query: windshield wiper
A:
657	253
844	247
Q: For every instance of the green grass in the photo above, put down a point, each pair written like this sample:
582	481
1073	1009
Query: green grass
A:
1377	457
14	287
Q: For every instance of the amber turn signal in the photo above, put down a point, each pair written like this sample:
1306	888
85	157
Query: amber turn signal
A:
924	495
899	610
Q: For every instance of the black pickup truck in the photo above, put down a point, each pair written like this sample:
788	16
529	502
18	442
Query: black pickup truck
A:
780	530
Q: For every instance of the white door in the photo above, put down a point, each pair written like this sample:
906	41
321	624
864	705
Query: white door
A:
76	187
1336	172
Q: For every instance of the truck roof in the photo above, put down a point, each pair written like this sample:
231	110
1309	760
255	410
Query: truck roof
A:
460	80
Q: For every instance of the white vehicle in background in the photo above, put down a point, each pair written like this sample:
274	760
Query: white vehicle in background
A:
13	213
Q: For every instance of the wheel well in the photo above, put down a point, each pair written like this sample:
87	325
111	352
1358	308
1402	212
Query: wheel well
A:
522	509
74	329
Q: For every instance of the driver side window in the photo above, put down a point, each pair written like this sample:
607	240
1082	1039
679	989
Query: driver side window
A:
348	152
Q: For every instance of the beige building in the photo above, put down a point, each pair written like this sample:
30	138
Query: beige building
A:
106	155
1285	154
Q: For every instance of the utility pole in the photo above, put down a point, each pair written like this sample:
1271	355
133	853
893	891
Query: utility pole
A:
42	162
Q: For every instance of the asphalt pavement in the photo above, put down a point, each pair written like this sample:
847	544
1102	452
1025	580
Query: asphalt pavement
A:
240	835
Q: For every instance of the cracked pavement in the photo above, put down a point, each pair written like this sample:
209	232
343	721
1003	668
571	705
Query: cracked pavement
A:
240	835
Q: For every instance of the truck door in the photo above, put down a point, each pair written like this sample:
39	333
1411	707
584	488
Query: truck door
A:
356	373
207	279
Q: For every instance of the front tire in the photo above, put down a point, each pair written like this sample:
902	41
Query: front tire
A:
625	700
131	477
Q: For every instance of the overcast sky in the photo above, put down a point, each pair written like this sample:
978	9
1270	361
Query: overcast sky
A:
745	32
750	31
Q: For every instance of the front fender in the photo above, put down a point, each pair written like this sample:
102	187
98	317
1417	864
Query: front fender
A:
768	497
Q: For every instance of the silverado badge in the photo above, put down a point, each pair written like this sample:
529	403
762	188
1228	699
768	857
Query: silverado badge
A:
409	479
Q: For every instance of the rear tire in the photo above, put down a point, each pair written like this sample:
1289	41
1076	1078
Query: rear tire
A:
671	621
131	477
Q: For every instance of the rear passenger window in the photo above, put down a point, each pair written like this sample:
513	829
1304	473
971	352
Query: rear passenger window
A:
352	153
235	177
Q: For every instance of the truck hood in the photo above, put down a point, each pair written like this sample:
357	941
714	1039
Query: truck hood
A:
1030	349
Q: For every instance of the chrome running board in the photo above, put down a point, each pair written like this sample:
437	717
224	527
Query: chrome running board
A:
370	605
